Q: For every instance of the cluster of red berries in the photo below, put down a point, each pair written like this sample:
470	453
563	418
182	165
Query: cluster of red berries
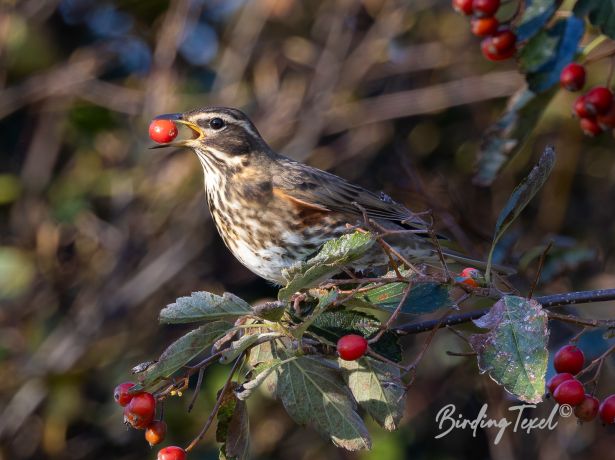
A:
499	42
566	389
595	108
139	411
162	131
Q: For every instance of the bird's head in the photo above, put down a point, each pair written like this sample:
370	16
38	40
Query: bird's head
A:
221	137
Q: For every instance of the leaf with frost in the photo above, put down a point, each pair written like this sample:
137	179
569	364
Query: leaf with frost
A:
514	351
183	350
204	306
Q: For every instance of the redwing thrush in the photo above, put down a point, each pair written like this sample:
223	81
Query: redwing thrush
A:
273	212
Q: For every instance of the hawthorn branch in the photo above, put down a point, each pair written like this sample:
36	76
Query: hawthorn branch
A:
547	301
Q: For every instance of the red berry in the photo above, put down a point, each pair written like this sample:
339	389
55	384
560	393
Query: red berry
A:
579	109
140	410
351	347
121	394
172	453
155	432
607	410
483	27
572	77
607	120
485	7
500	46
598	100
588	409
569	359
570	392
463	6
590	126
554	381
162	131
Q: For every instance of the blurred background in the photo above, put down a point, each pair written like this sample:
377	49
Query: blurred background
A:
98	233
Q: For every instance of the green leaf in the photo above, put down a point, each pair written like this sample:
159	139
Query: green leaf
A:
260	374
424	297
204	306
334	324
183	350
545	55
601	13
313	393
333	255
520	197
378	389
514	351
237	347
536	14
506	137
233	428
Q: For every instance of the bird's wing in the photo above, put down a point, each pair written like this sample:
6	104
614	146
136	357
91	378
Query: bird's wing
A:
317	188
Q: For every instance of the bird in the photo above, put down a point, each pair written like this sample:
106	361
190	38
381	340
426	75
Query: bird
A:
273	212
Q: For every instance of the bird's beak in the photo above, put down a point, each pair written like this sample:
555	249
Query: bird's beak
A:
197	133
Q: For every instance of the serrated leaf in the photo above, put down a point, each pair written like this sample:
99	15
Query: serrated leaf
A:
204	306
514	351
601	13
536	14
520	197
334	324
183	350
333	255
424	296
545	55
313	393
506	137
378	389
233	428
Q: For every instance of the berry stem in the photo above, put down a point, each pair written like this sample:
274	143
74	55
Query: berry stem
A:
597	361
592	46
609	78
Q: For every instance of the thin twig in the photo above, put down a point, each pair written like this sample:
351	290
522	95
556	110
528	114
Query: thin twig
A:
541	262
596	378
463	354
607	323
197	389
214	411
597	361
548	301
393	317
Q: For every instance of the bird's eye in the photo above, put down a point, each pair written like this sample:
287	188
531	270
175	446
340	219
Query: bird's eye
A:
216	123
